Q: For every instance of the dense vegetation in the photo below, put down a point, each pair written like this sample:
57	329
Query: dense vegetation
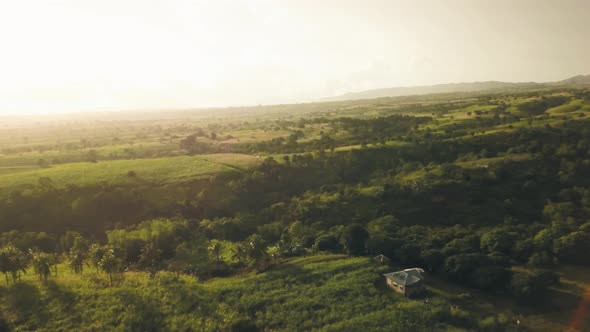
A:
490	193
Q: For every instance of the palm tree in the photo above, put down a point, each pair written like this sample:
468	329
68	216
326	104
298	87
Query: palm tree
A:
215	250
75	260
256	251
150	259
275	252
239	253
5	263
12	262
20	264
42	263
109	264
95	253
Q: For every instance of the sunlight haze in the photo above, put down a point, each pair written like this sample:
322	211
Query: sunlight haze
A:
72	55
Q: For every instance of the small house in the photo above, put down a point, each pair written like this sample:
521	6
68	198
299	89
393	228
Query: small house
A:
381	259
408	282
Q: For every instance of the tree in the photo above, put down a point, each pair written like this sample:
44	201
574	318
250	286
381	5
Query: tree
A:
523	249
327	242
354	238
460	267
5	263
151	259
42	163
541	259
95	253
253	252
215	250
12	262
72	240
465	245
497	241
433	259
189	142
42	263
239	253
573	248
408	253
491	278
109	264
384	226
381	244
528	288
92	156
75	260
45	184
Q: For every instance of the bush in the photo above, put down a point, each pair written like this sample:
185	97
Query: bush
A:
491	278
527	288
541	259
327	242
243	325
494	323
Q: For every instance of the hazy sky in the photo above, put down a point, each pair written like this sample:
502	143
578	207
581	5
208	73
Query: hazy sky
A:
76	55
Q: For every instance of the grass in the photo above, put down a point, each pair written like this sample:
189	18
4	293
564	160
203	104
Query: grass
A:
486	162
358	146
317	293
557	313
115	151
254	135
15	169
157	171
572	106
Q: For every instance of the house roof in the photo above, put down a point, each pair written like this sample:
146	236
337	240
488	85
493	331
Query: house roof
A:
406	277
381	258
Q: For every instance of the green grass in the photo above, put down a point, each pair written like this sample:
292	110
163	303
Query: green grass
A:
15	169
254	135
358	146
315	293
486	162
156	171
318	293
572	106
106	152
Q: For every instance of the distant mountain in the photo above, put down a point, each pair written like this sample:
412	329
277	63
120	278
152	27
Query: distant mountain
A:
580	79
450	87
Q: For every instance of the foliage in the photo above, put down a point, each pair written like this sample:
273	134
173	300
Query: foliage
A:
42	264
464	188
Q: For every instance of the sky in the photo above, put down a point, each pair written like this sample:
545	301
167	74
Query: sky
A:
94	55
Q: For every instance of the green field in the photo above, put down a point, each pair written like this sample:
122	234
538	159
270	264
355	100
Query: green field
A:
320	293
155	171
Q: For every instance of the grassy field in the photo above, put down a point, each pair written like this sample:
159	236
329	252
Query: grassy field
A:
318	293
156	171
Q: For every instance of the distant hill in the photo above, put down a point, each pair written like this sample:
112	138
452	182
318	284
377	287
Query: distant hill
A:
450	87
580	79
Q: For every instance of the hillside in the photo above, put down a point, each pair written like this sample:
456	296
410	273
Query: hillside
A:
320	293
579	79
154	172
429	89
451	87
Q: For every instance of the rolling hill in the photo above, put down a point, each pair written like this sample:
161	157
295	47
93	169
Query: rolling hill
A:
451	87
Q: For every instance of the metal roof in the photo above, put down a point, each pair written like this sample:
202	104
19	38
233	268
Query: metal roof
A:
406	277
